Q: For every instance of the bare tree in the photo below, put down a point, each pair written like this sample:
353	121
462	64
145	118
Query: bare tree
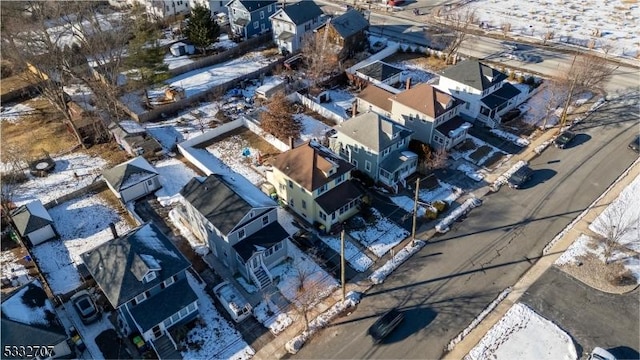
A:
278	120
15	165
459	22
437	159
590	70
552	97
306	292
612	225
320	56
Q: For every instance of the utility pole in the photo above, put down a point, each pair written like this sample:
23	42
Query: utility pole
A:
415	212
563	116
342	272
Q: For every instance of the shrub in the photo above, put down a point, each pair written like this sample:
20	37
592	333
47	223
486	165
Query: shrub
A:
431	213
623	279
440	205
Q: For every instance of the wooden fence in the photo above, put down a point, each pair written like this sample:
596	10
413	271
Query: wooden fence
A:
94	187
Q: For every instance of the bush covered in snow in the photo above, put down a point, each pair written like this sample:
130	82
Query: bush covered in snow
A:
443	225
382	272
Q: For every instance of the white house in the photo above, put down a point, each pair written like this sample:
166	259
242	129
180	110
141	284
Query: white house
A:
132	179
32	221
484	90
215	6
292	22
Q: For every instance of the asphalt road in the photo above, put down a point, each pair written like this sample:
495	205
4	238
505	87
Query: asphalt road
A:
591	317
451	280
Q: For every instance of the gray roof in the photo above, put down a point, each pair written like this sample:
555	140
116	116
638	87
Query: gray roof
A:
396	159
252	5
30	217
500	96
114	266
349	23
379	70
225	200
167	302
474	74
265	238
373	130
302	11
339	196
118	175
28	314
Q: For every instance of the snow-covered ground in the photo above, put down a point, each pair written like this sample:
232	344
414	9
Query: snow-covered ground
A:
417	73
523	334
356	258
444	191
621	218
13	112
272	318
61	181
174	175
287	221
83	224
537	111
69	317
471	172
236	153
13	270
510	137
381	236
198	246
217	338
340	102
317	282
611	24
312	129
478	143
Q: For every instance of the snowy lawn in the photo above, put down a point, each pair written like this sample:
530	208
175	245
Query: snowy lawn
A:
318	284
271	318
417	73
620	220
287	221
444	191
455	154
381	236
312	129
356	258
510	137
13	113
237	154
83	224
198	246
174	62
174	175
215	337
12	269
61	181
522	334
340	102
471	172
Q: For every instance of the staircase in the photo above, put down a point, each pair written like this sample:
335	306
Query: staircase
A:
165	349
262	277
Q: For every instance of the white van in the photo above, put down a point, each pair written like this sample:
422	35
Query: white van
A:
232	300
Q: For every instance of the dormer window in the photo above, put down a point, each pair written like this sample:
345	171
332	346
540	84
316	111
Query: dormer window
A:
150	276
140	298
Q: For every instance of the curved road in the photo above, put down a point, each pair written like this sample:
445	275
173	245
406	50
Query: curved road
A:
449	282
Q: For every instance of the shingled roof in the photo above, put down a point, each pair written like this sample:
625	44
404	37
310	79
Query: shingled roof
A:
129	173
302	11
379	70
373	131
349	23
427	100
30	217
474	74
252	5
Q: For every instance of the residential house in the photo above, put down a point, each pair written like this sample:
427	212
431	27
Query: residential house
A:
33	222
380	72
376	146
238	222
347	32
484	90
132	179
29	319
163	9
143	276
249	17
215	6
316	184
376	99
433	115
135	139
292	23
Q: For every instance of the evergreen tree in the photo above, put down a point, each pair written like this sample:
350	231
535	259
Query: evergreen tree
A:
202	30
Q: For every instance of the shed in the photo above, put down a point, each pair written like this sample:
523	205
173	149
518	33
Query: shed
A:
270	87
134	139
33	222
180	48
380	71
132	179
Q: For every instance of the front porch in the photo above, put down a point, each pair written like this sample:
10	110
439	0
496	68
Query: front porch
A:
338	204
451	133
397	167
259	252
497	103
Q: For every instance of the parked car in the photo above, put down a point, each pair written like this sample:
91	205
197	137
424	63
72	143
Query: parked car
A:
385	324
564	139
86	308
601	354
521	176
635	144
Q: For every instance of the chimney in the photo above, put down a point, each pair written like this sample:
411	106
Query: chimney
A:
291	142
112	226
354	109
408	83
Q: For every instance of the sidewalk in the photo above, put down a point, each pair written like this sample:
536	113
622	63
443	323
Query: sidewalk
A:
544	263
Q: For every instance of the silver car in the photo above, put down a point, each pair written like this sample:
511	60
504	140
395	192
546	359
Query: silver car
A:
85	306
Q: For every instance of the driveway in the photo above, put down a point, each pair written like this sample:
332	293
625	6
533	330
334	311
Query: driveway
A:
591	317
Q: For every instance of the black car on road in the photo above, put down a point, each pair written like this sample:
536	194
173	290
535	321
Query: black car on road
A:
521	176
635	144
564	139
385	324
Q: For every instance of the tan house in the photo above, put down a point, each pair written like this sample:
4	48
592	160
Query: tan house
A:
375	99
316	184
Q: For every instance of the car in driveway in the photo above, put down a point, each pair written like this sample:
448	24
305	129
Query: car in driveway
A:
599	353
385	325
564	139
520	177
85	306
635	144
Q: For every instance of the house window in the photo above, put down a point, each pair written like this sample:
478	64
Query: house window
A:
265	220
140	298
277	246
385	152
167	323
322	189
290	184
149	276
168	282
233	11
304	204
261	14
340	179
192	307
175	317
241	234
270	8
282	187
333	216
367	165
401	142
183	312
354	162
291	203
322	215
356	149
466	106
256	24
